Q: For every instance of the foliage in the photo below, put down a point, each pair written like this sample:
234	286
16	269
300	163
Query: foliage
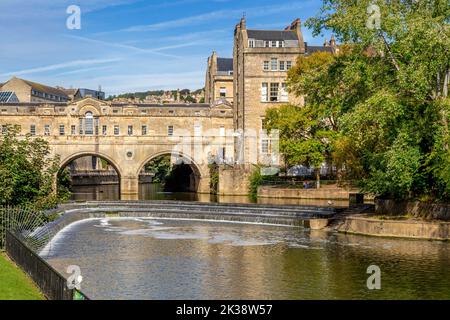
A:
161	167
27	171
256	180
379	109
214	177
64	183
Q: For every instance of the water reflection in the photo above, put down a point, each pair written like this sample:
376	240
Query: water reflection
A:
168	259
149	191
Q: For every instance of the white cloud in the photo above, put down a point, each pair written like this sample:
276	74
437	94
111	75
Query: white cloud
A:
65	65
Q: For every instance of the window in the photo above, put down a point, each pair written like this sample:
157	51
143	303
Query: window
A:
89	123
284	94
265	146
116	130
266	66
222	153
288	65
274	92
197	130
4	130
47	130
251	43
267	44
62	130
81	126
130	130
273	44
264	91
282	66
33	130
104	130
274	64
281	44
223	92
170	131
73	130
263	123
144	130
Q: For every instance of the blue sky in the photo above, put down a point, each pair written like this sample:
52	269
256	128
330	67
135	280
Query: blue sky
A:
131	45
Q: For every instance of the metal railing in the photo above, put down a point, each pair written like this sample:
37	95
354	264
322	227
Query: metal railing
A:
52	284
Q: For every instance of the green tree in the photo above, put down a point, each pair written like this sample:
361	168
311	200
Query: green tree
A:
393	93
302	139
161	167
27	170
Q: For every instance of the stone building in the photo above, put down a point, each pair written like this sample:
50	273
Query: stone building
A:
219	79
28	91
262	59
128	135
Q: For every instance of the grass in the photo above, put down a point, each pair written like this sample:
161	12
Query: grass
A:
14	283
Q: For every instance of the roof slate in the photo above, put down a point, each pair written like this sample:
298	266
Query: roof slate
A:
272	35
224	64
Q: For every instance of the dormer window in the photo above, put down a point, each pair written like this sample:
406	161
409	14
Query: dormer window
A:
251	43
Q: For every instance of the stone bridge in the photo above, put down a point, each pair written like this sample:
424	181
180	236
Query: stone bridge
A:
129	136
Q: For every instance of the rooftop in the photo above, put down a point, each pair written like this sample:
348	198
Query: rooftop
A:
274	35
224	64
43	88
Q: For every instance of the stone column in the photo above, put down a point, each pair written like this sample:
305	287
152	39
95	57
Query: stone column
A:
129	188
204	184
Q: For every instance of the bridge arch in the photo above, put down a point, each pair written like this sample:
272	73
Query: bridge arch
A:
196	175
87	184
67	160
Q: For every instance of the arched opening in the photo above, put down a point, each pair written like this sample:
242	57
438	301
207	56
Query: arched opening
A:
169	177
88	177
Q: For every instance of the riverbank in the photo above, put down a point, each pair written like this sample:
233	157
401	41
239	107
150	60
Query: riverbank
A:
326	192
398	227
14	283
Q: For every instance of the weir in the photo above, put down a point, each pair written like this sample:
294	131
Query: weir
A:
247	213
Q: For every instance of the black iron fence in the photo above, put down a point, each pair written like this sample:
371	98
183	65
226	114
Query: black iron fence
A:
52	284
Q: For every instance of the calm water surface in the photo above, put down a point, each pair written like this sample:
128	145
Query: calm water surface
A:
152	191
168	259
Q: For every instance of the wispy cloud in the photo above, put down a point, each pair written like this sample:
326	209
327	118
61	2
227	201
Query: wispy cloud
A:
213	15
65	65
123	46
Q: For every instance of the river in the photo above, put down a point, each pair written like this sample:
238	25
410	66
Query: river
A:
152	191
126	258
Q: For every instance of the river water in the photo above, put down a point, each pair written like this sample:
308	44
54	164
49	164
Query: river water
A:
167	259
152	191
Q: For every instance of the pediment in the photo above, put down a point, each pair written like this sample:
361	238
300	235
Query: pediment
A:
222	104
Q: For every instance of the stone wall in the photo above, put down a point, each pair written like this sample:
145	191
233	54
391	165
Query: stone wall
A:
416	209
396	228
328	193
234	181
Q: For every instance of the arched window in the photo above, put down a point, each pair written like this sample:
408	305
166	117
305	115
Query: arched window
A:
89	123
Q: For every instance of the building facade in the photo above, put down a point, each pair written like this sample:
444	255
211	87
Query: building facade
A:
219	79
32	92
229	127
262	59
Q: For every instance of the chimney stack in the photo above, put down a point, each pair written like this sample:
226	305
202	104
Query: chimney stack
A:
243	23
295	24
332	41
